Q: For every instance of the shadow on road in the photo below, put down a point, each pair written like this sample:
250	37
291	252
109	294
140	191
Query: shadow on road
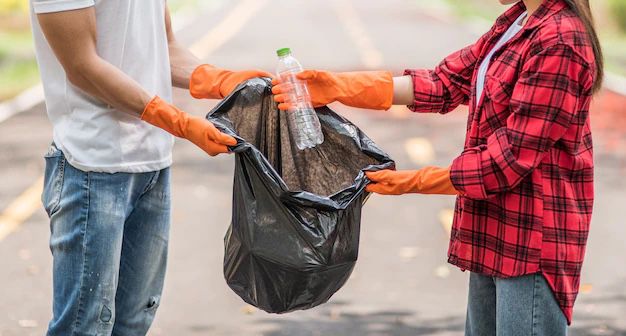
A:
591	322
597	330
387	323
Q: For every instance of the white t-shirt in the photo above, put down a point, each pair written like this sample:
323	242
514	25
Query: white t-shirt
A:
515	28
94	137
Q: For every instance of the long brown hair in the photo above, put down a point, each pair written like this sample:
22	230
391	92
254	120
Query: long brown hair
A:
583	10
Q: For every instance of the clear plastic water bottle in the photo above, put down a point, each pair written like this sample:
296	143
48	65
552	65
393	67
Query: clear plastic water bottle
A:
304	124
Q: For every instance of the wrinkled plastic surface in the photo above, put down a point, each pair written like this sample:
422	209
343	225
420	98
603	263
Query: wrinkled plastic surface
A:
294	235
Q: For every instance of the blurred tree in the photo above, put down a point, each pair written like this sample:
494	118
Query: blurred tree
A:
618	7
9	6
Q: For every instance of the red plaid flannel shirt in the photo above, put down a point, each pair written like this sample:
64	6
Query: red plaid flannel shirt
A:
526	172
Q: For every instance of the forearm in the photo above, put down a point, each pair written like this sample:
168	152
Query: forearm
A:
104	81
434	92
403	93
448	85
182	63
72	37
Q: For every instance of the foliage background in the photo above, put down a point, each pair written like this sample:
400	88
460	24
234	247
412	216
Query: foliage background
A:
610	17
18	68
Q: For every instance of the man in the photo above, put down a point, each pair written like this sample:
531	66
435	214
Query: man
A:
107	69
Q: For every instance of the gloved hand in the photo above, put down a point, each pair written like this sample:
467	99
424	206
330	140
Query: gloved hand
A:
370	89
210	82
183	125
428	180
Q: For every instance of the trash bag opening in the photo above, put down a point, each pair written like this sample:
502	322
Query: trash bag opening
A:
323	170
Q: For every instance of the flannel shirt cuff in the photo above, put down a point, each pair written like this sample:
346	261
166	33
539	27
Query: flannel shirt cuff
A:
427	95
500	156
466	173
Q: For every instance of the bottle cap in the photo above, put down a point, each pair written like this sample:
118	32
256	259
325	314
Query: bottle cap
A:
283	52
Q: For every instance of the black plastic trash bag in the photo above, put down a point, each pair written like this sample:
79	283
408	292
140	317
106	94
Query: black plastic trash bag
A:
294	236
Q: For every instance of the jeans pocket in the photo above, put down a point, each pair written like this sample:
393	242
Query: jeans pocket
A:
53	180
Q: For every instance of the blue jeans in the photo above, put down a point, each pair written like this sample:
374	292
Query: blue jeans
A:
109	238
523	306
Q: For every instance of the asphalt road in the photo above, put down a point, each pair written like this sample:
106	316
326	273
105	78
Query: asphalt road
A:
402	285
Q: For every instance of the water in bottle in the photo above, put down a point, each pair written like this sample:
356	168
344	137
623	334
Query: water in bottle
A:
304	124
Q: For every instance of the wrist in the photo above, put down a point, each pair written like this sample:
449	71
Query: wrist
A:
403	93
167	117
205	82
149	109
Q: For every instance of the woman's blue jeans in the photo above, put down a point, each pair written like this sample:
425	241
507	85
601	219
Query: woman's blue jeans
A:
521	306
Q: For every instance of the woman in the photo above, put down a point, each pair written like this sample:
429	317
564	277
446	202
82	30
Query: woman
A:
525	177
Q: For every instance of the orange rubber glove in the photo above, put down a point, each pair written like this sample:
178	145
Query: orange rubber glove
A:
183	125
210	82
428	180
369	89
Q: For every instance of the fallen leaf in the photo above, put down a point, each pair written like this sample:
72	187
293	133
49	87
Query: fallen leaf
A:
24	254
442	271
28	323
33	270
408	252
248	309
586	288
420	151
601	330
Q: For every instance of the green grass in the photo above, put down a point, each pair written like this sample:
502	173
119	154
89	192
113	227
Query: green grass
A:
473	9
618	8
17	77
614	47
18	68
613	42
175	5
15	44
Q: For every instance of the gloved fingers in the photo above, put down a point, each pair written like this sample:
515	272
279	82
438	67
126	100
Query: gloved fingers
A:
238	77
284	102
215	135
214	149
282	88
381	176
285	106
378	188
276	80
261	73
307	75
281	98
249	74
225	139
373	188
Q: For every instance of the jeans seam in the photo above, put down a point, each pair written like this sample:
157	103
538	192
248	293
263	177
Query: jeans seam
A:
534	314
58	186
84	270
153	181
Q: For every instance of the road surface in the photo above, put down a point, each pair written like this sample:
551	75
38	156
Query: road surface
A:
402	285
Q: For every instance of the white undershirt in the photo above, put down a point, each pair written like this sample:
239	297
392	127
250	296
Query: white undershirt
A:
515	28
